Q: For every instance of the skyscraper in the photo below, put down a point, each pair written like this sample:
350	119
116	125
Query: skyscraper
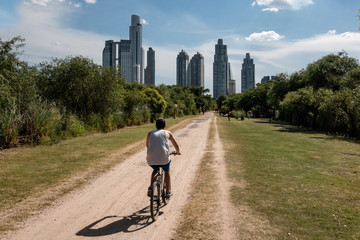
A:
109	54
232	82
125	59
232	86
182	62
150	67
129	55
247	73
220	70
196	71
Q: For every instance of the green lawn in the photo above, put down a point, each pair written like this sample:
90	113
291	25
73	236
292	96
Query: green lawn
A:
27	172
305	183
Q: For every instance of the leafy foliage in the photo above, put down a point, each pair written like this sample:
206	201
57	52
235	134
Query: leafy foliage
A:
323	96
73	96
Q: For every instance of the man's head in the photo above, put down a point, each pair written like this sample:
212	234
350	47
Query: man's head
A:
160	123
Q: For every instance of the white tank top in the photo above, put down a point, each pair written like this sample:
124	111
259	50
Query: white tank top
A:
158	148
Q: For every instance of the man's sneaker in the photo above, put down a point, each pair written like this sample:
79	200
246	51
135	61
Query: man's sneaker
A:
169	196
150	189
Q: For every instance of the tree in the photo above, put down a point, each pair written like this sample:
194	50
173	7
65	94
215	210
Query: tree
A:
155	102
19	101
329	71
81	87
220	101
300	106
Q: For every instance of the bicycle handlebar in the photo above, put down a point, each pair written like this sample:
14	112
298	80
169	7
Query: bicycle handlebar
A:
175	153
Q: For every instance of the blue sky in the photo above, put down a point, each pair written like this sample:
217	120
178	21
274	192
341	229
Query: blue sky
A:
280	35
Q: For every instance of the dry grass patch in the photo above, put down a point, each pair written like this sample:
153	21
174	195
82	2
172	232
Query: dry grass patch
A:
199	220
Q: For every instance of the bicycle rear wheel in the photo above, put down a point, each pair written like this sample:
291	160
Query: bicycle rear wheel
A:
155	201
163	190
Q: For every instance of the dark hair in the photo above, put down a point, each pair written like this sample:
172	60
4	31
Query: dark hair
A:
160	123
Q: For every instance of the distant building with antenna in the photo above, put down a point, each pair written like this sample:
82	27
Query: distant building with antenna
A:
127	54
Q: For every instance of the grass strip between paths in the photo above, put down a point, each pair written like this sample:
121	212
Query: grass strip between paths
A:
305	183
198	218
33	177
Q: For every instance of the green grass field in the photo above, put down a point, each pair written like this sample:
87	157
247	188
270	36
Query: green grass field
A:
31	172
305	183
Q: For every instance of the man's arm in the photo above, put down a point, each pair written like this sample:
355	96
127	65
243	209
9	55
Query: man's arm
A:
147	140
173	141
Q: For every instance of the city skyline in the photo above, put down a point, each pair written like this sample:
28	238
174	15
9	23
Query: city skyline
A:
127	54
282	36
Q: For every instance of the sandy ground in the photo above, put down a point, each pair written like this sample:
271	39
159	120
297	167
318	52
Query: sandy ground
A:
115	205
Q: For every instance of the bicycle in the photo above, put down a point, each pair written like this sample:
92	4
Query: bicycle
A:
158	194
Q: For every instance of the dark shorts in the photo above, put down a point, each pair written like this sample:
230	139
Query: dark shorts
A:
166	167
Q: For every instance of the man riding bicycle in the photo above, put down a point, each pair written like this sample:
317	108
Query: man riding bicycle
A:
158	153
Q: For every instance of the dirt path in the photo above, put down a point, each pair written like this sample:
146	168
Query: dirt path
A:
115	206
229	213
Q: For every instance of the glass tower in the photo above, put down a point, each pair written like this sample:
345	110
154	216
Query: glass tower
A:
220	70
247	73
196	70
127	54
182	62
150	68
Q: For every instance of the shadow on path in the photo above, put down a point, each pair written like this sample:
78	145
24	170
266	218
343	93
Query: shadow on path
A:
114	224
287	127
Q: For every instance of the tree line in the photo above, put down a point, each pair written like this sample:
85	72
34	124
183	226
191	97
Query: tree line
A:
71	97
323	96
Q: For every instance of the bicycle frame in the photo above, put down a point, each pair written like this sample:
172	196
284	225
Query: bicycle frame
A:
158	196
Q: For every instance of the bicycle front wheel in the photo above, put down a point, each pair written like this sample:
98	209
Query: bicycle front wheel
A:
155	201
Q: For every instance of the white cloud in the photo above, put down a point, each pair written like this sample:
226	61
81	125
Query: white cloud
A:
293	56
331	32
270	10
38	2
144	22
282	4
90	1
47	37
264	36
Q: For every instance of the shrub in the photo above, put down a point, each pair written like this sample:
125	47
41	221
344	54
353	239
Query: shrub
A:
37	121
8	129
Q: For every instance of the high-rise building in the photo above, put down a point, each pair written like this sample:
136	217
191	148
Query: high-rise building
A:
127	54
232	82
109	54
182	62
125	59
268	78
196	71
247	73
232	86
150	68
220	70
